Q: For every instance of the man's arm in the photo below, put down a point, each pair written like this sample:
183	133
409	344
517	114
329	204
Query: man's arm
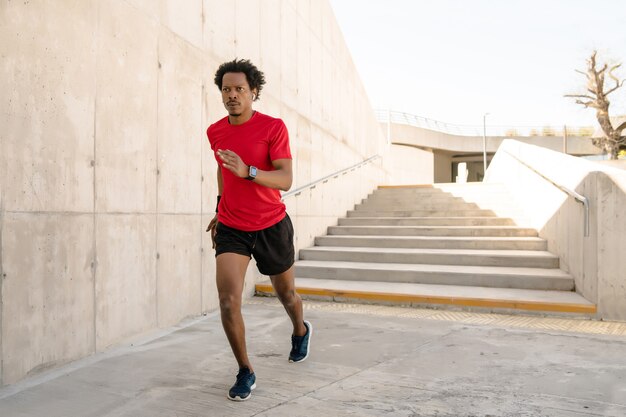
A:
220	182
281	178
213	222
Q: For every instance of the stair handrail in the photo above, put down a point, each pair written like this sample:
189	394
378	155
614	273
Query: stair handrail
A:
325	179
578	197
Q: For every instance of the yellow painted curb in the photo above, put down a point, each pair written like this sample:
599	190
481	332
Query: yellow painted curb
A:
426	299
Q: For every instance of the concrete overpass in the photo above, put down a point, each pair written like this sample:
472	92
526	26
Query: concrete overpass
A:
443	146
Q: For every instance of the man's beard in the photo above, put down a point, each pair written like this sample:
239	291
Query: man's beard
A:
234	114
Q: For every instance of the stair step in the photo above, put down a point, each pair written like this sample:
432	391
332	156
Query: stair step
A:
510	258
434	242
438	245
415	205
421	213
424	204
440	198
432	231
468	298
474	187
426	221
481	276
439	193
497	191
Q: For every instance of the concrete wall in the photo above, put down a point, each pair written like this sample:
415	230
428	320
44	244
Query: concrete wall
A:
411	165
107	179
596	261
443	167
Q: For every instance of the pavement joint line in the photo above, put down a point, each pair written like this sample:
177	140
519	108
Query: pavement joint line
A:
572	325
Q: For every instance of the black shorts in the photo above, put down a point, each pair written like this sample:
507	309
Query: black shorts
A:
272	248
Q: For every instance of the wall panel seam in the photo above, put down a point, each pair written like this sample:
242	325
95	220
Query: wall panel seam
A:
94	259
157	176
1	286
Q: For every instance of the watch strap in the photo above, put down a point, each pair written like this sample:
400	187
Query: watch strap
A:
252	170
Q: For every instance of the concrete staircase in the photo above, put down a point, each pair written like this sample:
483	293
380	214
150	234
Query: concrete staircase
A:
437	245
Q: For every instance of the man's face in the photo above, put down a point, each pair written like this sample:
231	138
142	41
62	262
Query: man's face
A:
236	94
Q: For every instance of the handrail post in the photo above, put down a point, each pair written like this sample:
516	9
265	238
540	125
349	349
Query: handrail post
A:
389	126
586	206
485	144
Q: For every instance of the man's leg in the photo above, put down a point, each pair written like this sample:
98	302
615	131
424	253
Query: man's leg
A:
231	272
285	287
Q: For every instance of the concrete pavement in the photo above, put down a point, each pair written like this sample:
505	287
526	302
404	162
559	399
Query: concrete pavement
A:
365	361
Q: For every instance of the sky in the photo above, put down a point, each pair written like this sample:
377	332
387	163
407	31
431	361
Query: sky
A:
455	60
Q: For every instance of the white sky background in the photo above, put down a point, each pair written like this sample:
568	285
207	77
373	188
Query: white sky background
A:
454	60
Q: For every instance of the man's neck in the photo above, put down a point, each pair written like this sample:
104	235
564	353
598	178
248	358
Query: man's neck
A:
239	119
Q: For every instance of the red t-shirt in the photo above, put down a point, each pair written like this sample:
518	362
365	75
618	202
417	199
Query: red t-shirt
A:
246	205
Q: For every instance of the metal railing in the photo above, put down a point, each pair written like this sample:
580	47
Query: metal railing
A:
578	197
325	179
386	116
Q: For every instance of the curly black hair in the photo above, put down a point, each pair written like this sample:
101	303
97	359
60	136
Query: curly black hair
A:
255	78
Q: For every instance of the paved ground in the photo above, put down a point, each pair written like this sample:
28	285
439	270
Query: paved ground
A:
366	361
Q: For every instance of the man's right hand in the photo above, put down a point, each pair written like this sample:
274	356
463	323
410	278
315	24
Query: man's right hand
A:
212	228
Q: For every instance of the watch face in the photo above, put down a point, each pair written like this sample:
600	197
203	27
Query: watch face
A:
252	172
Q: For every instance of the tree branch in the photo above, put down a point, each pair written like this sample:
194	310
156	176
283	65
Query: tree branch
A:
613	68
614	88
580	95
592	60
618	82
587	104
583	73
620	128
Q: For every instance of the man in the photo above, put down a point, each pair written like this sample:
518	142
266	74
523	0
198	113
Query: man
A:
254	163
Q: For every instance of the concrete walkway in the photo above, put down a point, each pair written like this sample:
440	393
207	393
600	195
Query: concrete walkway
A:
366	361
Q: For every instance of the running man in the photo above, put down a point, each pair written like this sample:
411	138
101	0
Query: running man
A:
254	164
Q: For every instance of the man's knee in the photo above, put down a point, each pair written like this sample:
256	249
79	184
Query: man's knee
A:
230	303
288	296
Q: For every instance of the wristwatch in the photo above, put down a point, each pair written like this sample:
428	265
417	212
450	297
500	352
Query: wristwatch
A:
251	173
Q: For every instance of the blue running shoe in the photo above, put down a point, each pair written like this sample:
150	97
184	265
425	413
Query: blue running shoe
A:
242	390
301	345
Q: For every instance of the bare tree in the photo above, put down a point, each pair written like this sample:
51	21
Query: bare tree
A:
596	97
